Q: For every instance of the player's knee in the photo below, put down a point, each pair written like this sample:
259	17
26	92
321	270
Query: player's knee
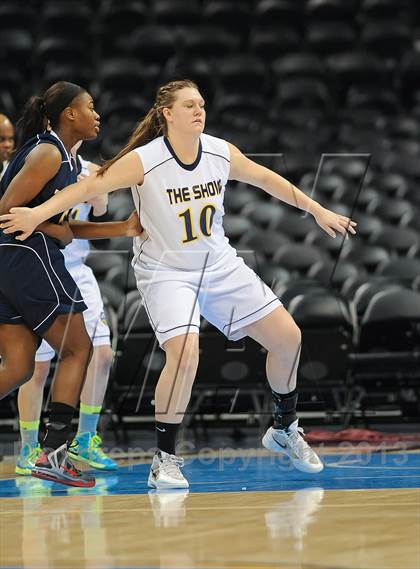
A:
288	339
79	349
40	373
185	359
105	356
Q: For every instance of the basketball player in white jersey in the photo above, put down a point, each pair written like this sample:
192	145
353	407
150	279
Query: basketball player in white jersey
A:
185	266
7	142
87	445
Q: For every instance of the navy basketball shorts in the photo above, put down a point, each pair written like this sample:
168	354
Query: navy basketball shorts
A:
35	286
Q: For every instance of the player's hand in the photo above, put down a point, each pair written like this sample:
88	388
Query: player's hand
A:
134	227
20	219
332	222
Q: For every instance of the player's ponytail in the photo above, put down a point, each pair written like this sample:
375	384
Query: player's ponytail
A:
41	112
154	123
32	121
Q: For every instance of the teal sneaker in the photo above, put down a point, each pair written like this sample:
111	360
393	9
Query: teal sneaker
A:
27	458
87	447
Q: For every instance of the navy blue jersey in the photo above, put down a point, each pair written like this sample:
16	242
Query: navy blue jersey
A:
67	174
35	286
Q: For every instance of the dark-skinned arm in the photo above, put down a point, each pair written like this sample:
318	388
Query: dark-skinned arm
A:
90	230
60	231
41	165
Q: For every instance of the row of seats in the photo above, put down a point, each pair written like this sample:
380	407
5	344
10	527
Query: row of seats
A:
123	14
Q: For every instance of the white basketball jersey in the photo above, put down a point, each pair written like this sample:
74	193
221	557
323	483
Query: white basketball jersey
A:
181	205
77	251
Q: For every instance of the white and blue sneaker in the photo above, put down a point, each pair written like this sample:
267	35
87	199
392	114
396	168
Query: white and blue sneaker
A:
165	472
291	442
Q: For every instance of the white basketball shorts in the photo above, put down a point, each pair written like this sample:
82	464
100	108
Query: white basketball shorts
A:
95	320
228	294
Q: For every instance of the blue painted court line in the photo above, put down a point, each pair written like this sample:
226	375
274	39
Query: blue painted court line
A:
246	473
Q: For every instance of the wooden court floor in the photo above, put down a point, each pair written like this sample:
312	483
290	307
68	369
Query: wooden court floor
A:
255	513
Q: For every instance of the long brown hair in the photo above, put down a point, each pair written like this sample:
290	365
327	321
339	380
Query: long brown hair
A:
154	123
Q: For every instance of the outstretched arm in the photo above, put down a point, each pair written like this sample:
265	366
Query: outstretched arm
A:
106	230
245	170
127	171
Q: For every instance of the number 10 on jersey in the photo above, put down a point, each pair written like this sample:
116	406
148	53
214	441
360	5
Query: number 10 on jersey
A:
205	222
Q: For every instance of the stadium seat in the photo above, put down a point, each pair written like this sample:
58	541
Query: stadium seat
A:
295	65
329	38
391	322
405	268
408	77
333	273
296	93
240	195
75	73
289	290
229	15
124	279
388	39
61	50
395	211
207	42
263	241
271	44
176	12
150	44
236	226
64	17
384	101
14	16
328	330
102	261
239	71
366	291
272	13
123	17
297	225
132	314
331	11
367	225
274	275
391	184
16	47
375	10
399	240
325	186
368	256
324	241
264	214
299	258
111	294
368	200
356	67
